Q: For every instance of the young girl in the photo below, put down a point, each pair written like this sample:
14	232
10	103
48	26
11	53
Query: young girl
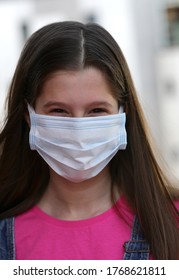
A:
78	178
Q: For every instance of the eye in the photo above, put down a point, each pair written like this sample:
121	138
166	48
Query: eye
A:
98	111
58	112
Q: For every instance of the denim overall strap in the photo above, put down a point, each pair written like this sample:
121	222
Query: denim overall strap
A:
7	243
137	248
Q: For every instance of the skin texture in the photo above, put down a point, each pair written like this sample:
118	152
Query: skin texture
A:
83	93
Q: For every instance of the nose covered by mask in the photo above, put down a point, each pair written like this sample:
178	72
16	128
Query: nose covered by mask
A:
77	148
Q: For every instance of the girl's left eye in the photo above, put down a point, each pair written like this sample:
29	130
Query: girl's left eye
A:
98	111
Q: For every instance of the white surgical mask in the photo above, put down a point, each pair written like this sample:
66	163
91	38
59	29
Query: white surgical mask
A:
77	148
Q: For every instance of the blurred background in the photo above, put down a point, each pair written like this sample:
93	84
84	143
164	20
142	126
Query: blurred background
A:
146	30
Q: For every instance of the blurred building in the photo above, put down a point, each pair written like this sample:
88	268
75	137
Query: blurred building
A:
168	87
146	30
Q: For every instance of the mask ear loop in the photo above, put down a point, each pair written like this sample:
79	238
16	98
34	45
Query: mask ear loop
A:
28	115
30	109
121	109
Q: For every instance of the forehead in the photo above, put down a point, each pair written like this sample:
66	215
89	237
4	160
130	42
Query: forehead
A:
83	84
88	76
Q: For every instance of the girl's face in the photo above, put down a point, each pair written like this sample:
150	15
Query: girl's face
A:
82	93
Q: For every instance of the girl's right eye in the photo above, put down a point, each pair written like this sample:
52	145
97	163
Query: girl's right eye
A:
58	112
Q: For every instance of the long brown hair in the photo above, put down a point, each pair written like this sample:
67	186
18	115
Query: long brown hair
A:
23	173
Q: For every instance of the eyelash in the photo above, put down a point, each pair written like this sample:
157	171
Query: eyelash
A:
58	110
93	111
98	110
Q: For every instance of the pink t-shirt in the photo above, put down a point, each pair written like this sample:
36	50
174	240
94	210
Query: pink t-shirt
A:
39	236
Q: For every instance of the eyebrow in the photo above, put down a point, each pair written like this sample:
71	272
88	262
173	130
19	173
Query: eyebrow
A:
53	103
95	103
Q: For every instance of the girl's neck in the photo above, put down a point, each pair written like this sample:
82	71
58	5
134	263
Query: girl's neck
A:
75	201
